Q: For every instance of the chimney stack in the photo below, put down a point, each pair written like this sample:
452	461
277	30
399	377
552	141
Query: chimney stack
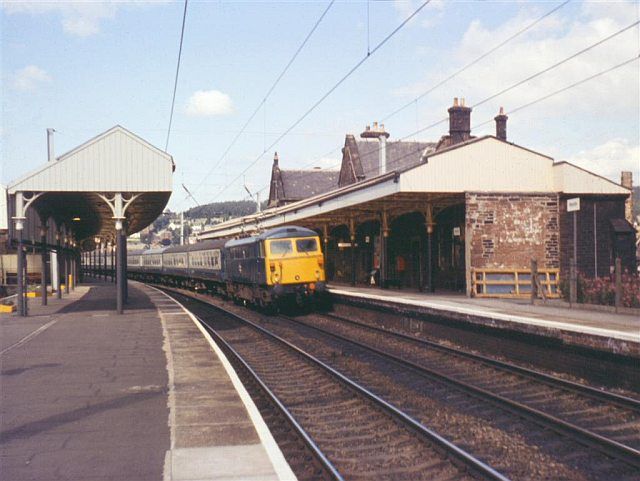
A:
459	122
501	125
50	155
626	180
379	133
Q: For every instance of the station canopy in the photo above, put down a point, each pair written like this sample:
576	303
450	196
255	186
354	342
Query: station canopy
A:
115	180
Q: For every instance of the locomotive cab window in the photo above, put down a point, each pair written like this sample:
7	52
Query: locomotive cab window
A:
306	245
280	247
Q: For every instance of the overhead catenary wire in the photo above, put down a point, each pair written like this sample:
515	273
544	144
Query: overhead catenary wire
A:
511	111
476	60
175	83
266	96
528	104
536	101
327	94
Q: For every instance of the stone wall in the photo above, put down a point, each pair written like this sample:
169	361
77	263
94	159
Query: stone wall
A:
508	230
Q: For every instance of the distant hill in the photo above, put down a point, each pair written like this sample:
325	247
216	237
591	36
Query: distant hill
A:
227	210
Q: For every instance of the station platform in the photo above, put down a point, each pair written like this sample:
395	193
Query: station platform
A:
87	394
607	331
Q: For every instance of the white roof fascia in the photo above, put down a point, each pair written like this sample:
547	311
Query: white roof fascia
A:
484	164
571	179
348	196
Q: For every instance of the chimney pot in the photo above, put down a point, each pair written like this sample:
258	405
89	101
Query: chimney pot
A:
50	151
462	102
501	125
459	122
375	126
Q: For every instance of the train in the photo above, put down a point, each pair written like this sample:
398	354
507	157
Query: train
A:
278	266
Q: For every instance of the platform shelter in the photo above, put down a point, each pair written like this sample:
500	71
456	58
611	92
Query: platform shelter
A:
111	186
464	214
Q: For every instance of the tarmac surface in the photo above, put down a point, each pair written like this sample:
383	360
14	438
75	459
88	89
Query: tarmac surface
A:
86	394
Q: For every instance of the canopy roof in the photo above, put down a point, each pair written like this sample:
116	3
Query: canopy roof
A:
78	189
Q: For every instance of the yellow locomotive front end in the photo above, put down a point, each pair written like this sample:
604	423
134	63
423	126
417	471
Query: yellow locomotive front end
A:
294	265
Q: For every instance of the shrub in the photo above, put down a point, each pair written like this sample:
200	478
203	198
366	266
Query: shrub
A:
602	290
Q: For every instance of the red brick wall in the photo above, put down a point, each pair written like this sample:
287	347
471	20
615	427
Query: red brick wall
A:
508	230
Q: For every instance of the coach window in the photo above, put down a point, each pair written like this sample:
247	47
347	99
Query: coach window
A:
280	247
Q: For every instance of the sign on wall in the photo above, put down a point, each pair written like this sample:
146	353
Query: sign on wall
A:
573	205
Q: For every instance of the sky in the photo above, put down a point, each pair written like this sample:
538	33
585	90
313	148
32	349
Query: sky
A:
82	67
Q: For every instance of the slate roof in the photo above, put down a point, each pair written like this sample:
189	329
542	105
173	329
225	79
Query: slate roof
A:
300	184
401	155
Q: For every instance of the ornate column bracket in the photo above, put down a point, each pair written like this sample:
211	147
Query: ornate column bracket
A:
119	205
23	202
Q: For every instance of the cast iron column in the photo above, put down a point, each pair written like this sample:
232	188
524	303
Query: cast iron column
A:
119	271
21	300
384	240
126	266
43	280
430	285
59	263
66	267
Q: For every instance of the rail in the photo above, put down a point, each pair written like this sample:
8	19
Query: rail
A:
506	283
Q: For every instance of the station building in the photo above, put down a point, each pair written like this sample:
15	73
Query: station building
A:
463	213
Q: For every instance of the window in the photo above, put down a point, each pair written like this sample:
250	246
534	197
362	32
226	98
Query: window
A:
280	247
306	245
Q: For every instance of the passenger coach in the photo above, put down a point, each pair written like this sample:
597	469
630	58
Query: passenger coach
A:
280	264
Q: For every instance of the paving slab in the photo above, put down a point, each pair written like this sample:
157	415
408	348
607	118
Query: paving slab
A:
89	395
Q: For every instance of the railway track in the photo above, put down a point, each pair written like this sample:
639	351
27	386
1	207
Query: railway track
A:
529	437
357	433
590	407
606	420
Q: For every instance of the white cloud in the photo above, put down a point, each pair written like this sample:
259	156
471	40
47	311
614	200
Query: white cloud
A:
431	15
81	18
610	158
208	103
550	41
30	77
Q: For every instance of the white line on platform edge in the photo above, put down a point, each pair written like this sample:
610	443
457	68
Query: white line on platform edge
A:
502	317
280	464
28	337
